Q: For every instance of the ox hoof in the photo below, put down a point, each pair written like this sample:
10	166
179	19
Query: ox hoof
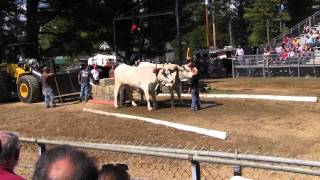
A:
150	109
134	104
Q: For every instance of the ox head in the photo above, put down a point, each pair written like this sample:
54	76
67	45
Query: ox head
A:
164	76
185	72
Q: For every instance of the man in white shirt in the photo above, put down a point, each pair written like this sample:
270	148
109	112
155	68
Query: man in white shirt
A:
95	75
240	54
279	49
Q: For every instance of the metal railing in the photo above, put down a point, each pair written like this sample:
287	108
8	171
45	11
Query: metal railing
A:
201	163
274	65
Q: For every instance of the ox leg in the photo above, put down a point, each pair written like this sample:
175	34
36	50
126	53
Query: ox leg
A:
147	95
116	92
178	89
171	96
154	98
141	95
133	103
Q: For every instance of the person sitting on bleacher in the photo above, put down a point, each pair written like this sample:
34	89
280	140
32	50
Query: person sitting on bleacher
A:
295	42
306	29
286	40
310	41
279	49
284	56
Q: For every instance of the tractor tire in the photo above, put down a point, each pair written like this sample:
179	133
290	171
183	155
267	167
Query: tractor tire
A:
5	87
28	89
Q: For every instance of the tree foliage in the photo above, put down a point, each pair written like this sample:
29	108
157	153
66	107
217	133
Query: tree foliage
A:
60	27
265	16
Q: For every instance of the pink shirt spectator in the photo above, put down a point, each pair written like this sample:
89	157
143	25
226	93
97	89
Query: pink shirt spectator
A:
8	175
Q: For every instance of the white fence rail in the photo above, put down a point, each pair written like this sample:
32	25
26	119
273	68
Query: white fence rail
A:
196	157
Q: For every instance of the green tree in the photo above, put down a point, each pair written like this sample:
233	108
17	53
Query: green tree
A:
261	15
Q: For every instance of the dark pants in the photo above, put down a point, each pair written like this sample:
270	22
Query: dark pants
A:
195	103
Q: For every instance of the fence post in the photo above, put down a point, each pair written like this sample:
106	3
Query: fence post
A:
263	68
237	170
232	61
290	64
299	61
314	58
310	22
196	175
42	148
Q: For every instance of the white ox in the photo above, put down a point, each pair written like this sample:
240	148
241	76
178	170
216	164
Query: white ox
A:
179	73
141	78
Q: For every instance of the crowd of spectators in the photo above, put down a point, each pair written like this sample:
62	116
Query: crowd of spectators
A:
292	47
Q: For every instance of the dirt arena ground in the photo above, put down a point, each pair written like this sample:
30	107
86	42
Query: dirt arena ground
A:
290	129
254	125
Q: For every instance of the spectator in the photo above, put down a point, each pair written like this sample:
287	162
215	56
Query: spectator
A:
279	49
9	155
240	54
306	29
46	88
266	55
95	75
84	78
284	56
65	163
286	40
310	41
111	72
114	172
194	87
108	67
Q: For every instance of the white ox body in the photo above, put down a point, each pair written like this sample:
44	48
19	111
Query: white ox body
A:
140	78
179	73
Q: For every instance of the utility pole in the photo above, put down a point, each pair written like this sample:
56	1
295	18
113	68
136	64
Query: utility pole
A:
230	25
114	37
268	34
207	22
178	32
213	26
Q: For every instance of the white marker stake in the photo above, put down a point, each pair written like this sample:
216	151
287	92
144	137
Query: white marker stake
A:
250	96
208	132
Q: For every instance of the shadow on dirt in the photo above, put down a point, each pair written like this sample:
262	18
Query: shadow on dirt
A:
186	104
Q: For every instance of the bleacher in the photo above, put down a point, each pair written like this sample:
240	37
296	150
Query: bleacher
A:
294	56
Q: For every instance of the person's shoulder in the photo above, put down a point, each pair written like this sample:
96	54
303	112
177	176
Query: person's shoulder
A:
18	178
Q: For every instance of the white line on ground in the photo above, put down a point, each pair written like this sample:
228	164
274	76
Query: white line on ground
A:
250	96
208	132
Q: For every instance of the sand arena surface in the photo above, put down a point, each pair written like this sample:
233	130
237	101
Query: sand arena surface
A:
254	125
